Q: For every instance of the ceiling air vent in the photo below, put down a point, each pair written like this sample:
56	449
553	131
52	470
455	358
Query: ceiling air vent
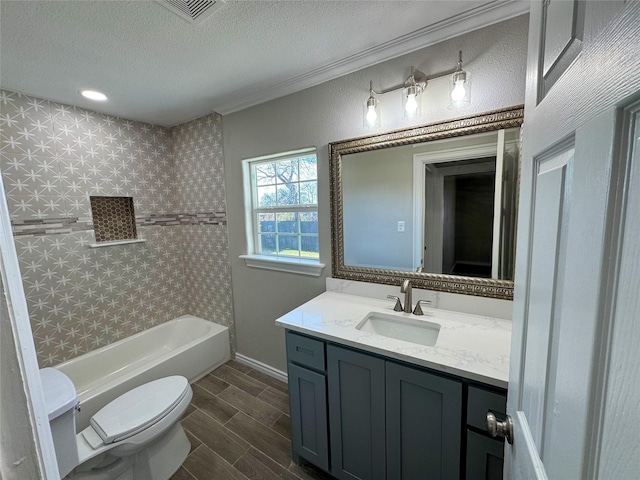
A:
193	11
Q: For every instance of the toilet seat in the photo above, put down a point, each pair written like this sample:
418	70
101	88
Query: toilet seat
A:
139	409
166	400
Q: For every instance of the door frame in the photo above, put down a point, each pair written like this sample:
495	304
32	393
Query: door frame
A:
420	161
29	371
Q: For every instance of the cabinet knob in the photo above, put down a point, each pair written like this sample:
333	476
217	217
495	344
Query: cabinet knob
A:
497	427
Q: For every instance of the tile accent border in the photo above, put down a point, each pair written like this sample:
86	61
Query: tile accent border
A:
50	226
204	218
53	226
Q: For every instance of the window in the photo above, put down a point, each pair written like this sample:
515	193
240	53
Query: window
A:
284	208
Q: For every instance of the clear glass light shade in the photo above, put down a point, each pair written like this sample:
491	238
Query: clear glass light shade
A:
460	90
371	117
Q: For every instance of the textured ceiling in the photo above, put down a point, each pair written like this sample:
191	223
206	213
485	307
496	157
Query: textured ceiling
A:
158	68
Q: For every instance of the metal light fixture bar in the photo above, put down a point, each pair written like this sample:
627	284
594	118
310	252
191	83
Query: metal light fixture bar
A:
417	79
413	86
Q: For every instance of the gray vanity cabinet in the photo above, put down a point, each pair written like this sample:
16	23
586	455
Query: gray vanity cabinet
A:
423	424
383	411
357	414
308	400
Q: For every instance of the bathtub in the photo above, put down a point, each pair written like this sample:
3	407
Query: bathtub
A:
187	346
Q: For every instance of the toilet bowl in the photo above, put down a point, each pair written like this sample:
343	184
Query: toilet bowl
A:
136	436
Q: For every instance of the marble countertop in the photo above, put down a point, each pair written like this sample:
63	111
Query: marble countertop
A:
469	346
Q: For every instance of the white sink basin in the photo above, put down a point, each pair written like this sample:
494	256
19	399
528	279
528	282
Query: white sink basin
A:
408	329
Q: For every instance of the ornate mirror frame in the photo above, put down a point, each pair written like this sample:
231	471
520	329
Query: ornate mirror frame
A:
485	122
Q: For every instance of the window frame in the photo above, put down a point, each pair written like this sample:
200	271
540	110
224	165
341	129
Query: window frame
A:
257	259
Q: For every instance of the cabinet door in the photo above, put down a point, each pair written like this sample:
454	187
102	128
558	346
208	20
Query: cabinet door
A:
308	399
423	425
357	406
484	457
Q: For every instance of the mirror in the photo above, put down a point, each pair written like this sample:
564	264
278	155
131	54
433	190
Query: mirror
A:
436	204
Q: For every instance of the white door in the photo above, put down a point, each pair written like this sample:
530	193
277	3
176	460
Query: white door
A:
574	387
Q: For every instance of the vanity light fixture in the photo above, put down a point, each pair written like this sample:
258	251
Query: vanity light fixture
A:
413	86
93	95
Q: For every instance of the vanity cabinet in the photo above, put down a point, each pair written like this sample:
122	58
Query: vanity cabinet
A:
308	400
358	415
423	424
485	455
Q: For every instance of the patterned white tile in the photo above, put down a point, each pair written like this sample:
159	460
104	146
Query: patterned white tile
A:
207	272
35	206
198	165
53	157
25	124
31	175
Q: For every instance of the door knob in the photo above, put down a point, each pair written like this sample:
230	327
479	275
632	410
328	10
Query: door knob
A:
496	427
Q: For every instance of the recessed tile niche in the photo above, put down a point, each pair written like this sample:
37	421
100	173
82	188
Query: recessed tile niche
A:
113	218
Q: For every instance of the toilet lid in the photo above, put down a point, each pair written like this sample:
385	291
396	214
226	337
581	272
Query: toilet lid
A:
139	408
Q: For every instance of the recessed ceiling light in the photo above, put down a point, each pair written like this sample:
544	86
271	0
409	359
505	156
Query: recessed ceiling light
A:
93	95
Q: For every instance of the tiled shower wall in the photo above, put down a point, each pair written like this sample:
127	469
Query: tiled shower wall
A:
53	157
200	193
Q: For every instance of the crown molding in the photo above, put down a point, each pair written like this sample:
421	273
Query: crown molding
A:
480	17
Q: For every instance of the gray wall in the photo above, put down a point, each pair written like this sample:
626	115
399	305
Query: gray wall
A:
496	58
377	193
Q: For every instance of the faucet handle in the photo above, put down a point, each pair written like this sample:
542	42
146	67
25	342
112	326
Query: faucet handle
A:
398	305
418	309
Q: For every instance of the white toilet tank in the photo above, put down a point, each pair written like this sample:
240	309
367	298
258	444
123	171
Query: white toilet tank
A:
61	401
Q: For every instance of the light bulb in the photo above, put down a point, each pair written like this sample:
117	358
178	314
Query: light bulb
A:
458	93
411	107
372	116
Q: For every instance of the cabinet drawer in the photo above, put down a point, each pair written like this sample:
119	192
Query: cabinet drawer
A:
305	351
483	401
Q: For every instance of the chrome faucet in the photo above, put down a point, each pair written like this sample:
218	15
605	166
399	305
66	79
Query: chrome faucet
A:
406	289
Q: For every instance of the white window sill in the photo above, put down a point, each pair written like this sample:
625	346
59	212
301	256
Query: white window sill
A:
290	265
116	242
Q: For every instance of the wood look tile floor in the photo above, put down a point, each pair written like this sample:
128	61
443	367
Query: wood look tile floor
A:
239	428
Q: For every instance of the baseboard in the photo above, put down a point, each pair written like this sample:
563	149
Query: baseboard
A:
262	367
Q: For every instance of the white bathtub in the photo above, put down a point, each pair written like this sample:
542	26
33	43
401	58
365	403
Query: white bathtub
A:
187	346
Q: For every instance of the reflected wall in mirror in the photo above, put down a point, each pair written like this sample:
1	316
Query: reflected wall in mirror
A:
436	204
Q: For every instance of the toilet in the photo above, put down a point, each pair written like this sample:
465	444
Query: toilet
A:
137	436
